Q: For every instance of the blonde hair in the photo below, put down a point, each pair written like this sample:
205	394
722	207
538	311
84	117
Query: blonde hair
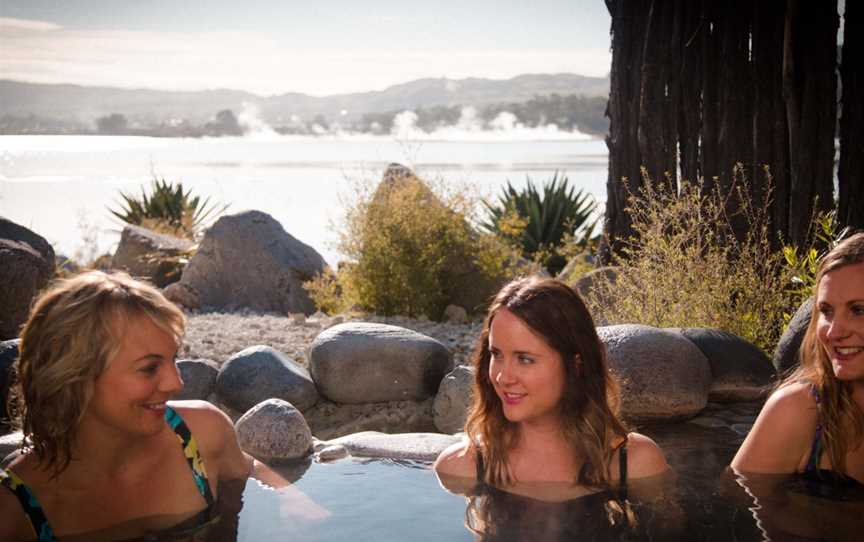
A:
74	331
837	409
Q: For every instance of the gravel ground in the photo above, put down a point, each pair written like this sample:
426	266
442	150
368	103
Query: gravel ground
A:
217	336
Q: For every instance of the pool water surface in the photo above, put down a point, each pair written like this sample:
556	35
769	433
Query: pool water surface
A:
387	500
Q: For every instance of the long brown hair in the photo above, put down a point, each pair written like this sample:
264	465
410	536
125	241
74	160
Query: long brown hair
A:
590	404
74	331
837	410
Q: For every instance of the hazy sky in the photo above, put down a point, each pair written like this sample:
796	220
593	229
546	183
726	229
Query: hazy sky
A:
277	46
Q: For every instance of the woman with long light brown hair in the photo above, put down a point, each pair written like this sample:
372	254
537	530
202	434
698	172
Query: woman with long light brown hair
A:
813	423
545	406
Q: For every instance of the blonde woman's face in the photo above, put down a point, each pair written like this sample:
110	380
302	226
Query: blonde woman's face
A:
527	373
131	393
840	325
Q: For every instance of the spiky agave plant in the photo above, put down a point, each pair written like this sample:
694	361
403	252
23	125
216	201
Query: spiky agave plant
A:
547	216
168	208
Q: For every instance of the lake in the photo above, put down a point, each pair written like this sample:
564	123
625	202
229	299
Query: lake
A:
61	186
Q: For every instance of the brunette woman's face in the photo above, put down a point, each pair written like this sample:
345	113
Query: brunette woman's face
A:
840	324
528	375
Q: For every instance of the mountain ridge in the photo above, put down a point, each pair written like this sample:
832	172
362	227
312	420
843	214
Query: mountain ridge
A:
67	101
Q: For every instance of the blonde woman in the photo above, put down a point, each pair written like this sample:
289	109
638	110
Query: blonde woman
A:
110	458
544	413
814	423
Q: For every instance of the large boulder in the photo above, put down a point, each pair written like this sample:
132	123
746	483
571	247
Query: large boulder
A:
26	266
369	363
259	373
453	400
740	370
786	354
663	376
274	430
199	378
248	260
153	256
330	420
8	356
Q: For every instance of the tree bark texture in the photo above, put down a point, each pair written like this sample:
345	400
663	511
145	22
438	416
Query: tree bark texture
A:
850	172
698	86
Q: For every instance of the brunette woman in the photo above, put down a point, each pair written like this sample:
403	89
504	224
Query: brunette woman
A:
544	420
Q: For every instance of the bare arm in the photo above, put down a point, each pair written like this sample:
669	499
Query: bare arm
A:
644	457
782	435
456	468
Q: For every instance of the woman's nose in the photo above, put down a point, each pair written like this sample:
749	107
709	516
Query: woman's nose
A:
504	374
838	328
171	381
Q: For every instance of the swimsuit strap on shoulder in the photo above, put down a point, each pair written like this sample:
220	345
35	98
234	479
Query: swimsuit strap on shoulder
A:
192	453
32	508
816	447
622	472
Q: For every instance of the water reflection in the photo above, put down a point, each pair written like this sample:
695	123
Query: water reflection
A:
558	511
799	507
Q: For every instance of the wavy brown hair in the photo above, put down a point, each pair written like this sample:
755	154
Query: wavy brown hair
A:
842	421
74	331
590	405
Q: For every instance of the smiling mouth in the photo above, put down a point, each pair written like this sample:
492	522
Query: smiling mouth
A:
512	398
156	406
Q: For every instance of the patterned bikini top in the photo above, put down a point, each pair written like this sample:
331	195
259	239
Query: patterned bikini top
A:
33	510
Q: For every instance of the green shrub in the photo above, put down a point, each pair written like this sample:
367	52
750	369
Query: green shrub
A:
411	250
548	219
685	267
824	235
168	208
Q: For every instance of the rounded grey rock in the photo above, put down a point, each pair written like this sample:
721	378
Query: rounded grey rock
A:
450	409
740	370
331	452
413	446
8	356
26	266
259	373
199	378
786	353
663	376
274	430
369	363
331	420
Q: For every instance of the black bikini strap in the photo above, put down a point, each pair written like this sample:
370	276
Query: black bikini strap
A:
622	471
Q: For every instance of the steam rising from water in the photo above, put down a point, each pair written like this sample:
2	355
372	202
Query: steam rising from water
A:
469	127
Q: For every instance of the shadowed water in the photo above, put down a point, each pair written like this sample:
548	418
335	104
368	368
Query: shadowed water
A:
386	500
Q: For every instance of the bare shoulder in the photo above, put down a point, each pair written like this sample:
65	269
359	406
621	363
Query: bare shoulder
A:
15	525
459	459
216	437
203	418
780	438
644	457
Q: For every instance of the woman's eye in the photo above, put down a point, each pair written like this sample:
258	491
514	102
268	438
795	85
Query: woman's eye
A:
825	310
526	360
858	310
149	369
